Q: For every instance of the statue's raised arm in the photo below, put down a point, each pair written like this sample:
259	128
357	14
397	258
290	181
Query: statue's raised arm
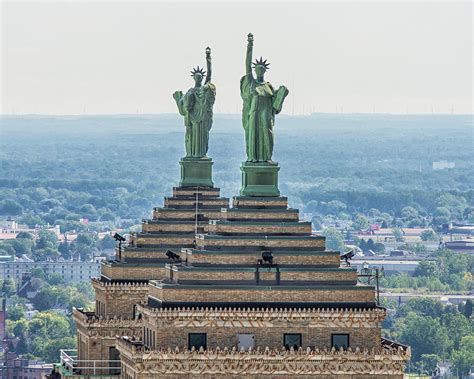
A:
248	57
209	65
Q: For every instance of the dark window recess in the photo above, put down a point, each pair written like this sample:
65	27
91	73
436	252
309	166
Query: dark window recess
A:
292	341
197	340
340	340
114	356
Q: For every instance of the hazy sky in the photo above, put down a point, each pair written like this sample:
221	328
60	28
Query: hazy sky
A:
128	57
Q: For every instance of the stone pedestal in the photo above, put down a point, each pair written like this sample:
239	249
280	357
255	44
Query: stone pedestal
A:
196	172
259	179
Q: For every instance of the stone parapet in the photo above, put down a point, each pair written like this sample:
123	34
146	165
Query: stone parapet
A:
252	293
94	326
139	362
119	286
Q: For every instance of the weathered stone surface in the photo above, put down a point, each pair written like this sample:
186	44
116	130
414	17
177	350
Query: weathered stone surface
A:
215	293
140	362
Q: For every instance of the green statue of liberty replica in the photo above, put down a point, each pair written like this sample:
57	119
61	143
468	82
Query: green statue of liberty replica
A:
196	107
261	103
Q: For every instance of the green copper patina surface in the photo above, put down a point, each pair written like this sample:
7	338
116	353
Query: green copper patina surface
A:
196	172
261	103
259	179
196	107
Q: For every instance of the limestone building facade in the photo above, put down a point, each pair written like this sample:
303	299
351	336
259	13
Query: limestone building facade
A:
209	290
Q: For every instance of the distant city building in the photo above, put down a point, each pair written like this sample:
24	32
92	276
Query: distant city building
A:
9	229
456	228
461	246
20	368
3	316
70	271
387	235
442	165
390	264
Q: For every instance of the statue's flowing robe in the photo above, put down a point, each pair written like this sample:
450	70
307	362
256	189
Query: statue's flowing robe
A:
261	103
197	104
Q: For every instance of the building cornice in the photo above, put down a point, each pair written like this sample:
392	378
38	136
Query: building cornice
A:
232	317
384	361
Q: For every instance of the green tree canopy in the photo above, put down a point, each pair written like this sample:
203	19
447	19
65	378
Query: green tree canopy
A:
334	239
425	335
10	208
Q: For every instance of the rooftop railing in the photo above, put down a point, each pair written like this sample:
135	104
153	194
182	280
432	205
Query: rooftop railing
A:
76	367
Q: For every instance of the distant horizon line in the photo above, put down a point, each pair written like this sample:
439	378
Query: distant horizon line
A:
232	114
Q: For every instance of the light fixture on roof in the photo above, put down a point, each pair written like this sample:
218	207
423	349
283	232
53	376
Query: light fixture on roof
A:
172	255
347	257
267	257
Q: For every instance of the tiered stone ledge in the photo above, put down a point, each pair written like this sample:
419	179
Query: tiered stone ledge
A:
161	239
121	271
383	362
252	214
149	254
262	227
190	202
213	242
170	214
259	202
192	191
175	227
261	275
311	257
166	294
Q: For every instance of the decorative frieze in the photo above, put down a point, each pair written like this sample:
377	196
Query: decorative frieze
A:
375	362
233	317
105	327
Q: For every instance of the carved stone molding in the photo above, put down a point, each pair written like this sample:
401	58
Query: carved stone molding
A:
385	361
265	318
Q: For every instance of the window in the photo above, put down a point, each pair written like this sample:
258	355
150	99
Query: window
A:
340	340
114	358
292	341
197	340
245	341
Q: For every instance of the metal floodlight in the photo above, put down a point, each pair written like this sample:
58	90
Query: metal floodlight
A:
347	257
119	238
172	255
267	257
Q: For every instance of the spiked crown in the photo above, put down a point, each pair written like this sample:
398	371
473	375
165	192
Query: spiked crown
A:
197	70
261	62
